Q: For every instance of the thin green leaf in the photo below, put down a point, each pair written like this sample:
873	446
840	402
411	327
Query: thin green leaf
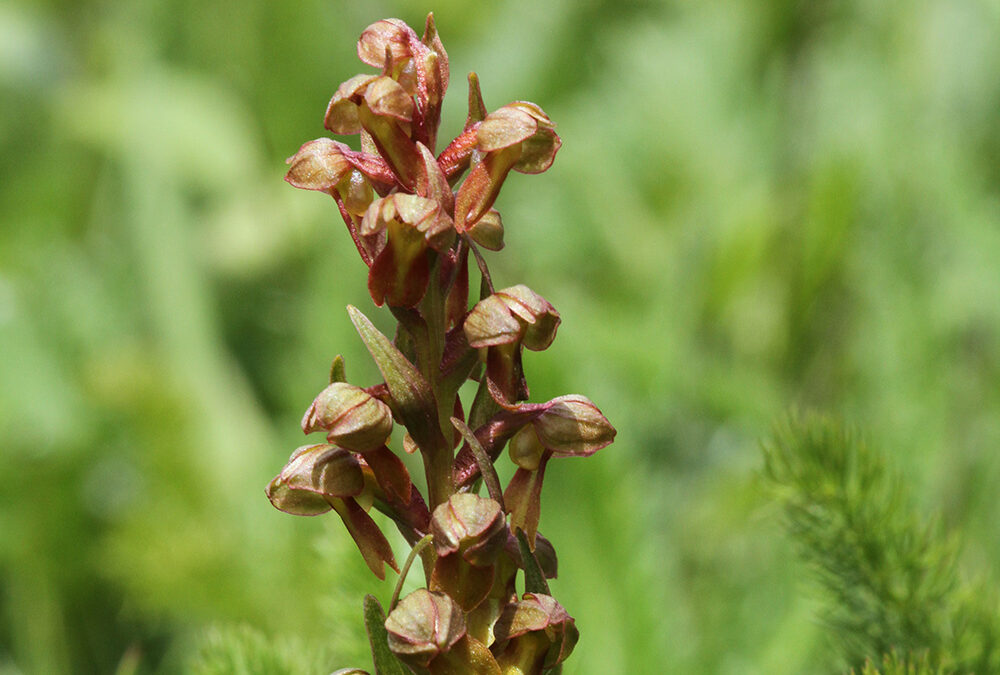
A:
486	468
411	394
414	552
486	282
337	371
385	661
534	580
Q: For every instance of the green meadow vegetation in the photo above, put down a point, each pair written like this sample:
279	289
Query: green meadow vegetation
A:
772	234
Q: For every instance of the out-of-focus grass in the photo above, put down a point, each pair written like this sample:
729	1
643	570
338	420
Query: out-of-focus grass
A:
757	205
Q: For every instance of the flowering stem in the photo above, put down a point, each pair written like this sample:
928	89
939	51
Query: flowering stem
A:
414	219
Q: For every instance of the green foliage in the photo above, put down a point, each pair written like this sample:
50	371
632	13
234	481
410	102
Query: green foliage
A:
245	651
385	661
895	665
889	575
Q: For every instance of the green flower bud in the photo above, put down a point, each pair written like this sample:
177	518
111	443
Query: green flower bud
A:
538	633
545	555
573	425
318	165
423	625
471	525
352	418
314	475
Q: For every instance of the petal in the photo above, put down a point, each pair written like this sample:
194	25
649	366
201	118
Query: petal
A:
342	112
505	127
491	323
393	34
480	188
385	97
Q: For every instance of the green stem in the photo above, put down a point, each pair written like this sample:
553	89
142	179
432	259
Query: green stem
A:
414	552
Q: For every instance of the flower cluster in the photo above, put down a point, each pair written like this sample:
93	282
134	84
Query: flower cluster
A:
415	221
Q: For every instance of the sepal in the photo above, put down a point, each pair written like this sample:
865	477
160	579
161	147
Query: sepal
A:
313	475
573	426
470	525
352	418
424	625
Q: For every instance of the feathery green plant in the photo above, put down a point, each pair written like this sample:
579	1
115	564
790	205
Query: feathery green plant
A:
889	576
245	651
892	664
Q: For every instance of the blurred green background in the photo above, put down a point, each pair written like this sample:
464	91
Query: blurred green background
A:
758	206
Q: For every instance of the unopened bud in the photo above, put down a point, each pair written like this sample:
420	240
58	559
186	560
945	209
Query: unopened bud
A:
318	165
472	525
352	418
540	632
314	475
544	552
573	425
423	625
